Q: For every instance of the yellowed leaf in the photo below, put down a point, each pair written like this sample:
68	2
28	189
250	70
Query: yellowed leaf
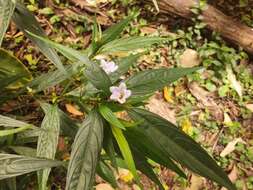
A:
73	110
167	94
231	146
187	126
125	175
197	183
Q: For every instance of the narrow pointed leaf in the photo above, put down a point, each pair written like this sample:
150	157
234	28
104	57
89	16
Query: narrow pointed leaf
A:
109	116
106	173
10	122
48	141
180	146
10	67
143	165
68	126
114	31
146	82
93	72
124	65
98	78
53	78
109	147
145	146
12	165
22	150
27	22
13	131
6	10
130	44
70	53
125	150
85	152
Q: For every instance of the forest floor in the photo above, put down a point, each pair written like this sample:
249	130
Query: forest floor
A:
214	107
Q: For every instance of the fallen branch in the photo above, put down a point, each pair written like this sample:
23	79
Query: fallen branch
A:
230	29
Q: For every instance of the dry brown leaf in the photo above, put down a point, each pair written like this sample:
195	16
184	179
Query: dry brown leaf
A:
249	107
148	30
189	58
160	107
104	186
197	183
236	85
124	175
231	146
207	100
233	175
73	110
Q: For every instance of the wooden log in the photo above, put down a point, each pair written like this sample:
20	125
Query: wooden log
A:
230	29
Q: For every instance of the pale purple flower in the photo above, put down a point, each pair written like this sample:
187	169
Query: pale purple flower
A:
108	66
120	93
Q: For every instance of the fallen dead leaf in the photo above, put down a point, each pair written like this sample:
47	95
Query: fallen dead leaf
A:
125	175
231	146
73	110
236	85
189	58
186	126
160	107
167	94
197	183
207	100
148	30
104	186
249	107
233	175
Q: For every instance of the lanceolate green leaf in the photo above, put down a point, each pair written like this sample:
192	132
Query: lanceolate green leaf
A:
10	67
12	165
6	10
179	146
23	150
114	31
145	146
124	65
146	82
84	155
54	77
13	131
48	141
125	150
98	78
68	126
93	72
106	173
27	22
109	116
143	165
130	44
71	54
10	122
108	146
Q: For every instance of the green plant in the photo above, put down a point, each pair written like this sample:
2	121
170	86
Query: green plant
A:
104	97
